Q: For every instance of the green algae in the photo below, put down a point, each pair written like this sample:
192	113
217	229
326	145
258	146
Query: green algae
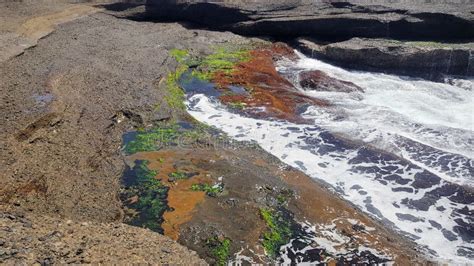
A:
279	231
284	196
224	59
150	140
237	105
282	199
143	193
179	55
211	191
146	177
151	193
219	249
175	94
433	45
172	134
178	175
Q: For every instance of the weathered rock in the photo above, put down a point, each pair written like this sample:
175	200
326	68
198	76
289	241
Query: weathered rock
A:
97	243
345	19
72	140
425	59
320	81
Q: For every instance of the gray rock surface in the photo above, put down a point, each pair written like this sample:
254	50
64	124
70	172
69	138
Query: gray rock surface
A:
429	60
437	20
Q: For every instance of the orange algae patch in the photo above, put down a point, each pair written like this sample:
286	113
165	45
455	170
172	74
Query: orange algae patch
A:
181	199
267	88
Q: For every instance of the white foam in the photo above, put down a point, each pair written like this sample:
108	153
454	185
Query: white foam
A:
337	172
438	115
420	121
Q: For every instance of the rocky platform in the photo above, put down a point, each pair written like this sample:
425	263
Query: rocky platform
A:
429	60
27	238
333	20
60	142
69	100
380	30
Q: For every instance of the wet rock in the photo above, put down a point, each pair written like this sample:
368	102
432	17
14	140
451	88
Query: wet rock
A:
404	189
232	202
435	224
425	179
398	179
371	208
449	235
300	165
356	187
358	227
408	217
320	81
422	204
466	252
270	89
429	60
464	230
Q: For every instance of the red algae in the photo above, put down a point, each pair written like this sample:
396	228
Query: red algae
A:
266	87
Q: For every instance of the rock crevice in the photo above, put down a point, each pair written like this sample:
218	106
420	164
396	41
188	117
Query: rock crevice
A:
340	20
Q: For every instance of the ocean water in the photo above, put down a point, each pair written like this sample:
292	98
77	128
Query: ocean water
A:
402	150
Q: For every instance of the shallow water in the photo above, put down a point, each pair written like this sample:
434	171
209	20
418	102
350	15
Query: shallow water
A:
402	150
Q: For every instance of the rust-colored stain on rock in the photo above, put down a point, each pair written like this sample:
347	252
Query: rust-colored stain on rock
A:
181	199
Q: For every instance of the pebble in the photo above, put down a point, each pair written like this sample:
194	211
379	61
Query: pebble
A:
28	225
46	261
50	235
